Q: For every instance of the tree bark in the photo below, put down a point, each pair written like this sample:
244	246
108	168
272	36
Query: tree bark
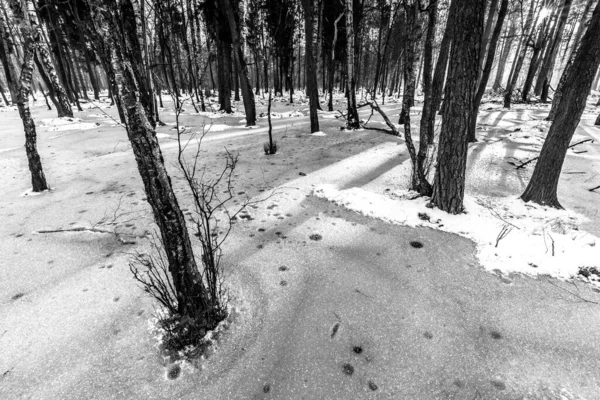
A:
65	108
528	32
545	75
191	293
238	56
449	182
506	47
352	117
543	185
428	115
311	67
538	46
38	179
7	49
487	69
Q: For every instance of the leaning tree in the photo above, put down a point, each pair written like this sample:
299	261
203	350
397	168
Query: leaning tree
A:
27	20
115	40
578	78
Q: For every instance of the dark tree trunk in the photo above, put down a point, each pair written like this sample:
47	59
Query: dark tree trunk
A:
542	187
538	47
7	50
51	93
311	65
44	56
428	115
223	74
240	62
4	95
191	293
487	69
545	75
437	84
10	73
528	31
506	47
449	183
414	28
352	117
92	74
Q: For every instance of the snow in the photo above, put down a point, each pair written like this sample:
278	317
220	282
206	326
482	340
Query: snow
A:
81	321
318	133
67	124
538	241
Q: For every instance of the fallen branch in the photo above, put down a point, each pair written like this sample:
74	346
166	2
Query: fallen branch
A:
571	146
375	106
78	229
595	188
572	293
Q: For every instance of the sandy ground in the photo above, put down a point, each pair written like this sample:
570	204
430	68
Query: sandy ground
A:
359	313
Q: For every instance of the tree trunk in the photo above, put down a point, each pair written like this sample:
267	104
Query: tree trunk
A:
4	94
428	115
38	179
585	17
437	84
489	24
7	50
506	47
538	46
487	69
311	66
191	293
528	31
543	185
352	117
545	75
238	56
449	183
46	80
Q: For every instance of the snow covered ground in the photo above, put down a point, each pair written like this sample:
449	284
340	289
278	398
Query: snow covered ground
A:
416	311
512	236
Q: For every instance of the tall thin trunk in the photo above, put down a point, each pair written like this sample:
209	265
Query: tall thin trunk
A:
426	137
528	32
545	75
7	50
538	46
439	75
503	60
28	28
311	67
489	24
352	117
240	62
487	69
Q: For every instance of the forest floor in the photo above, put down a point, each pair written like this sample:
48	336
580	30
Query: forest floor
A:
330	299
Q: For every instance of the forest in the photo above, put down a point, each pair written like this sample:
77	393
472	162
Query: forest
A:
289	199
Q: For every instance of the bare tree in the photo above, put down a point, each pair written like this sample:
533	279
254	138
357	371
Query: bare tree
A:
29	32
311	65
352	117
449	182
